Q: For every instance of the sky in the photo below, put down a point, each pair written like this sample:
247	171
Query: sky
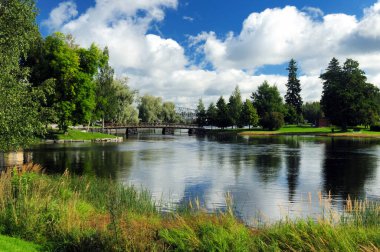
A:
183	50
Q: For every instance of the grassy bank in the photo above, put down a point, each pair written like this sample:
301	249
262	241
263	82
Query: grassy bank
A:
69	213
306	130
77	135
11	244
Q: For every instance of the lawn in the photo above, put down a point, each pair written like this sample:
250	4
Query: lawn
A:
10	244
79	135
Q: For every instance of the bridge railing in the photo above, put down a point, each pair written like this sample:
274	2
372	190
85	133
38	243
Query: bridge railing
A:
153	125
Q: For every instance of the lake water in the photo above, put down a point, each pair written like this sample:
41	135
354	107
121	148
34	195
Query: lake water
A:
268	177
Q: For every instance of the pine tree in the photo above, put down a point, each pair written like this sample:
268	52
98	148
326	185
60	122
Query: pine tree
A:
293	94
201	114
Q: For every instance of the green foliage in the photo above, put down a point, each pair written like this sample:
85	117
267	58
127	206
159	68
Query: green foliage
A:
312	112
19	110
223	118
293	94
78	135
168	113
272	121
249	114
212	115
150	109
235	106
267	99
291	115
201	114
347	99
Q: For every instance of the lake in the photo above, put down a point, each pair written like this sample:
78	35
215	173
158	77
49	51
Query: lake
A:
268	177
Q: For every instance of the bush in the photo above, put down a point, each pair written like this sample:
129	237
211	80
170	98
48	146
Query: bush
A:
272	121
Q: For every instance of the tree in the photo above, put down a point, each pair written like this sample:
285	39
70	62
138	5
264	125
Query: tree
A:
248	114
73	69
347	99
267	99
272	120
201	114
293	94
223	118
120	109
212	114
311	111
150	109
235	106
19	110
168	113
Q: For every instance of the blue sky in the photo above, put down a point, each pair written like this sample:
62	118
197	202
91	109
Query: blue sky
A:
186	49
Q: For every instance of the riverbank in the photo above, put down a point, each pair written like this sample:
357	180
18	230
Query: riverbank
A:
323	131
73	135
85	213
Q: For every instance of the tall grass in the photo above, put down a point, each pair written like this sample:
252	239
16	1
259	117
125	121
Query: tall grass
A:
71	213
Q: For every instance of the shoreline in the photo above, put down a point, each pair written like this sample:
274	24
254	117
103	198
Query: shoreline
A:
353	135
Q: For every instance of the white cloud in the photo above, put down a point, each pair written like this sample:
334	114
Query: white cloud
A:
187	18
158	65
63	13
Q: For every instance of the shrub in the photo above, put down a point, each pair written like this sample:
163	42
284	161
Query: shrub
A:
272	120
375	127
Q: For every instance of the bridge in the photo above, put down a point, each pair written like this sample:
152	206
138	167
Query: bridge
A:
167	129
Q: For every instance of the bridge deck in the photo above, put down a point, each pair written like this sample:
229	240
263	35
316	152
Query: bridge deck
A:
154	126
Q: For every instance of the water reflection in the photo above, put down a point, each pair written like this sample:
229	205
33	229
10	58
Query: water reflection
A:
347	166
293	161
271	175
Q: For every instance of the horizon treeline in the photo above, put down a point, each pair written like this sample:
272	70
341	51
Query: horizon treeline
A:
347	100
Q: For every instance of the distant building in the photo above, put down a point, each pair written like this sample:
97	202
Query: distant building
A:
323	122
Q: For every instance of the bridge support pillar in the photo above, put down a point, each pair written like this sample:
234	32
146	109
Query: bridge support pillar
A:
131	131
167	131
192	131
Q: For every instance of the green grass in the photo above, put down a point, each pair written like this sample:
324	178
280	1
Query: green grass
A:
79	135
11	244
71	213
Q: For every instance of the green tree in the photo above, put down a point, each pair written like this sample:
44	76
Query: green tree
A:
235	106
201	114
272	120
347	99
249	114
120	109
168	113
19	109
150	109
73	70
223	118
293	94
267	99
312	112
212	115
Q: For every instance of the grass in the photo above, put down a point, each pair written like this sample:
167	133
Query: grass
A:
307	130
11	244
70	213
78	135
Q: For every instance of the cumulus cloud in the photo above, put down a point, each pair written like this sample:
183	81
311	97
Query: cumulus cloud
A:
63	13
159	66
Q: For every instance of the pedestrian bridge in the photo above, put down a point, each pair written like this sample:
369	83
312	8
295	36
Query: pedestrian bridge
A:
167	129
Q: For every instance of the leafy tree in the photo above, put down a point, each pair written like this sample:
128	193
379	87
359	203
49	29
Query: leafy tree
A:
19	110
347	99
248	114
150	109
120	109
291	116
73	70
212	114
311	111
223	118
267	99
235	106
201	114
273	120
293	94
168	113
